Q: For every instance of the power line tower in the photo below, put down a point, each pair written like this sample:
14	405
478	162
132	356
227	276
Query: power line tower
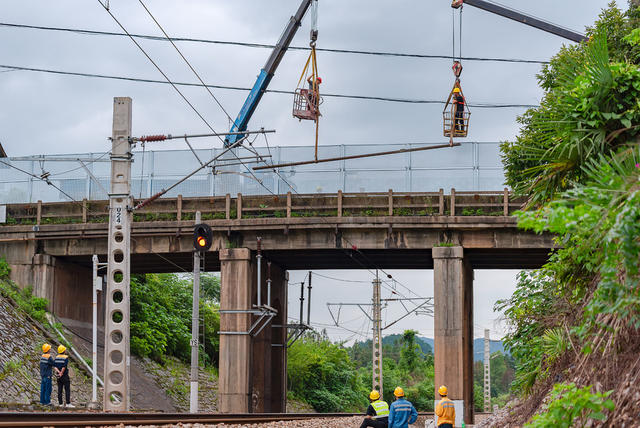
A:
487	372
376	343
116	343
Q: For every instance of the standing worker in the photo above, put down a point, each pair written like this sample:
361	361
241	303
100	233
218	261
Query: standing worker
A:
445	410
377	412
46	365
62	365
402	412
458	100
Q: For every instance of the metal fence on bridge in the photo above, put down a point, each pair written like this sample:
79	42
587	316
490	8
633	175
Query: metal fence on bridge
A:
472	166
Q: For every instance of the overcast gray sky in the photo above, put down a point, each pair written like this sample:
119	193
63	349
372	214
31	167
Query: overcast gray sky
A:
46	113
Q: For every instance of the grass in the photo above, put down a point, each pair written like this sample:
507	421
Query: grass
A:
24	298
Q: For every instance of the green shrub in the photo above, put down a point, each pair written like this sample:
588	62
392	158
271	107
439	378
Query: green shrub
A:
5	269
571	406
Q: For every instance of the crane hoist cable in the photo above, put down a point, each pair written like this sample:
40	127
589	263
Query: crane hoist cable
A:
455	115
306	99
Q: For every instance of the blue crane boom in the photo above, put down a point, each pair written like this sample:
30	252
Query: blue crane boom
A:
266	74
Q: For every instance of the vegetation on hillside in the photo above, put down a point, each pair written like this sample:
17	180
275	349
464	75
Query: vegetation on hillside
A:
24	298
575	322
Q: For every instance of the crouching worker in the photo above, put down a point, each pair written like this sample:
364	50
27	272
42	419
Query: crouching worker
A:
377	412
62	371
46	365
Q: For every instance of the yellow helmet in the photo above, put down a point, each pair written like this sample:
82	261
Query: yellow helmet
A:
442	390
374	395
61	349
46	347
456	90
398	392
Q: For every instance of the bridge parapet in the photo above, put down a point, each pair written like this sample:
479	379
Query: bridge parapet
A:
398	204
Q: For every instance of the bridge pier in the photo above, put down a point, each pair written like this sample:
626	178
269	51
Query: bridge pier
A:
252	368
453	325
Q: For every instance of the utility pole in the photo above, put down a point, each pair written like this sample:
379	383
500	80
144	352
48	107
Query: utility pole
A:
487	372
116	341
377	337
195	314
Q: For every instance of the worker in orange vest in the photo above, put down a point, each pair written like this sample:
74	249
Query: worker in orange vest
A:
445	410
458	100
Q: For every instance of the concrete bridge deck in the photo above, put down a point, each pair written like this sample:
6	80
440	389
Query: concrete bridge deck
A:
390	230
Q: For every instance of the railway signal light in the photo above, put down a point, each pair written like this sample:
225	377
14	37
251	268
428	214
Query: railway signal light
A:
202	237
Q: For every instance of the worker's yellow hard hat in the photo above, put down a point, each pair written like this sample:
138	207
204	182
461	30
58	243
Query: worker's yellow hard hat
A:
442	390
46	347
61	349
456	90
398	392
374	395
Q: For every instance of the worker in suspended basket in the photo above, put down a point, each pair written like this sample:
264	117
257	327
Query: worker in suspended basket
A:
377	412
313	95
458	101
62	372
401	413
46	368
445	410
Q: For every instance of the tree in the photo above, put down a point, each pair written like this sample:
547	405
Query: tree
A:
410	354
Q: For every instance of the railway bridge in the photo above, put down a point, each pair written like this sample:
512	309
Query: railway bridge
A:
50	245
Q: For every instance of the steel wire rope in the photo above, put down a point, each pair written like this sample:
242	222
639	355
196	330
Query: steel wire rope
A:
274	91
185	60
266	46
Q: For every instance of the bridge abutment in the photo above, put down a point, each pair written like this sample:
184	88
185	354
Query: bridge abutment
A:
67	286
252	367
453	325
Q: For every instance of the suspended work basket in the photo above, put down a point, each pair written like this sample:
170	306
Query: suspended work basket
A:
305	104
455	123
306	100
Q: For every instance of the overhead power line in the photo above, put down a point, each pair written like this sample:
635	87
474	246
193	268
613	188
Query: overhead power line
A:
266	46
238	88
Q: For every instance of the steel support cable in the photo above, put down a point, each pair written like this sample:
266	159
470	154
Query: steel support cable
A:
275	91
185	60
267	46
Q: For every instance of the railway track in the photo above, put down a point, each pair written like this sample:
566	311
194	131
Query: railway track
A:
85	419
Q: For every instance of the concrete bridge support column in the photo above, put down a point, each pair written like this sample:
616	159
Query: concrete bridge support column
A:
453	319
252	371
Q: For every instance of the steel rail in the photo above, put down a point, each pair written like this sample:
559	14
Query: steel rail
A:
55	419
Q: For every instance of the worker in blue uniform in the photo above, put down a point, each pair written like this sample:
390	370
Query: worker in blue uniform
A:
402	413
62	371
46	366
